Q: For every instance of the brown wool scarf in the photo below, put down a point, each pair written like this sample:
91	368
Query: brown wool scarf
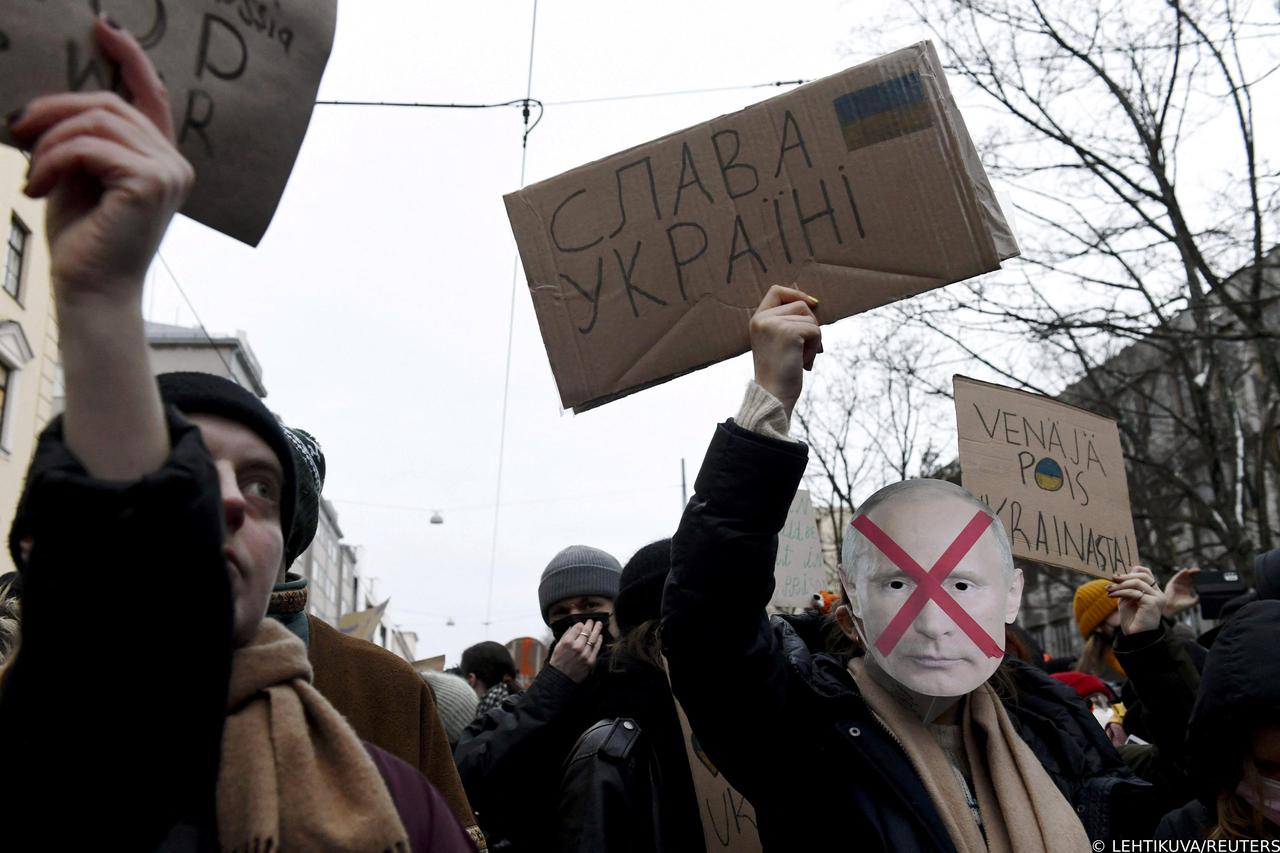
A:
1022	809
294	775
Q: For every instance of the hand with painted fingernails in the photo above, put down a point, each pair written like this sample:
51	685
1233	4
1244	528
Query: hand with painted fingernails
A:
1140	599
110	173
785	340
576	653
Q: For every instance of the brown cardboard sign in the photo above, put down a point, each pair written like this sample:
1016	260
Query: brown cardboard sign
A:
242	77
861	188
1054	474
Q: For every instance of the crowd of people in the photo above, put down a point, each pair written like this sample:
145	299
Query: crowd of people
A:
162	684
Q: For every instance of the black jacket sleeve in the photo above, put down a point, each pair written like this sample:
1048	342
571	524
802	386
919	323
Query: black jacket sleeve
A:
719	647
115	700
1166	681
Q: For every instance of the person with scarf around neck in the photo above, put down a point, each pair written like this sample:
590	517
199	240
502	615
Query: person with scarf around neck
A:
197	726
1017	764
379	694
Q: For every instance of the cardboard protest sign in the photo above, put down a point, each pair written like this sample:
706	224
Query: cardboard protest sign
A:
433	664
861	188
242	77
363	623
798	572
1053	473
728	820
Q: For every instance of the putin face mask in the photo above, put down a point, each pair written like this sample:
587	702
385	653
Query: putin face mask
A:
932	588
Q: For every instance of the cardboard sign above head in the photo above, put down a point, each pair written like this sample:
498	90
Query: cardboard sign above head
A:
1054	474
861	188
932	585
242	80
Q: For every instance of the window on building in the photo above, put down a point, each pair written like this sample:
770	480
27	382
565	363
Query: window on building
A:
18	239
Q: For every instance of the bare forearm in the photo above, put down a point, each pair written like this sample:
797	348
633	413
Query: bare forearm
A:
114	419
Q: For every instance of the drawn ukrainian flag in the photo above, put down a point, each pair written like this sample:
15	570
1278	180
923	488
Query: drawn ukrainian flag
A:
884	111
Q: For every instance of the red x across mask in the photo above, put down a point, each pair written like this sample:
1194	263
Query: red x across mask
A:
944	651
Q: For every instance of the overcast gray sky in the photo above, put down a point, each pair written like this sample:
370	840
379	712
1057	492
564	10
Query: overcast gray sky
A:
378	301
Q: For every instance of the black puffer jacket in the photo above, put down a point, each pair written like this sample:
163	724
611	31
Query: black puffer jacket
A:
1239	691
787	727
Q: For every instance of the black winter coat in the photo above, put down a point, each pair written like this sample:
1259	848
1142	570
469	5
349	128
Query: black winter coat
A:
115	701
516	763
788	727
1239	692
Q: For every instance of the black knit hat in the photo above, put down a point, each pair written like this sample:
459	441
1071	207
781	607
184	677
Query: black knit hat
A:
206	394
308	459
640	589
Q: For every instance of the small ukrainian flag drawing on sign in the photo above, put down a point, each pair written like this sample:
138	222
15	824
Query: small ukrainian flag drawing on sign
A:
884	111
1049	475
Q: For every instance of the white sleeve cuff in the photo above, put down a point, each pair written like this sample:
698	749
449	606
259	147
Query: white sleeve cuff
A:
763	414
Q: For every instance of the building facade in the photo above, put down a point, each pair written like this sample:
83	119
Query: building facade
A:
29	367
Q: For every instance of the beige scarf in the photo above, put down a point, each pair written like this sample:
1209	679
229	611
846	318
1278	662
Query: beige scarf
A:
294	775
1022	810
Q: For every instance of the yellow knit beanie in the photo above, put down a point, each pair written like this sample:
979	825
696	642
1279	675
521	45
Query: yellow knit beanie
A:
1092	606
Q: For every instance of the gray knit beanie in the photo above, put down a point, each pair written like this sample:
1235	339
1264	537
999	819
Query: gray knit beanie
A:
578	570
455	702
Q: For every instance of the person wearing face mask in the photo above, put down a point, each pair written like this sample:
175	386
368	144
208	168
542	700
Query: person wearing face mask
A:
510	757
1234	736
930	739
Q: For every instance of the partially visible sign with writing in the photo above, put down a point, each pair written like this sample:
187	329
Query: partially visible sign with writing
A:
799	572
861	188
1053	473
242	77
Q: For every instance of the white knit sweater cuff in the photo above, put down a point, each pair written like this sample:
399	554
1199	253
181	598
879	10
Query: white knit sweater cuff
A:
763	414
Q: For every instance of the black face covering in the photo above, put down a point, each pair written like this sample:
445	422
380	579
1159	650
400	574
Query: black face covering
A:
560	626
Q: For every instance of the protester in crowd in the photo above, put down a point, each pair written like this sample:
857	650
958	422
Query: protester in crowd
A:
10	617
455	703
200	729
627	784
1234	735
510	757
379	694
931	745
1162	683
491	673
1098	620
1100	698
578	586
